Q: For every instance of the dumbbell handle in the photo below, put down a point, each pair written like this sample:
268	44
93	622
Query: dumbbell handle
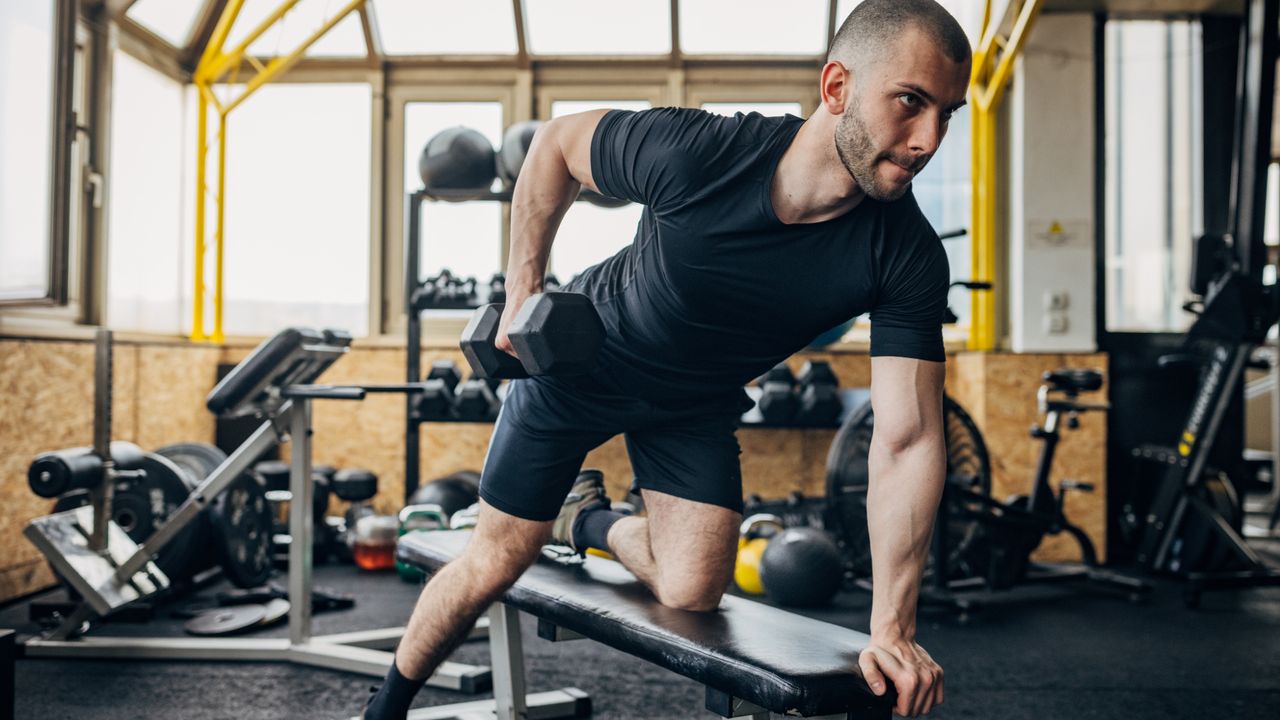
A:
509	367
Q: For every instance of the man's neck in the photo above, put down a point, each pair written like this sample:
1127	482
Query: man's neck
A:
811	184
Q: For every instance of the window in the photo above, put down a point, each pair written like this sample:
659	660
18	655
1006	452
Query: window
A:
169	19
464	237
297	209
599	27
145	242
27	48
415	27
589	234
764	108
753	27
1153	155
346	39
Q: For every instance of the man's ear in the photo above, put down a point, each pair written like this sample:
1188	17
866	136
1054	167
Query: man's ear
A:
836	84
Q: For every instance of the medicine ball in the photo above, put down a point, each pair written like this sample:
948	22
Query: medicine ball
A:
801	567
452	493
457	164
515	145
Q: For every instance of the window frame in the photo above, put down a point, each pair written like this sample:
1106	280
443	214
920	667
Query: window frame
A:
52	304
391	319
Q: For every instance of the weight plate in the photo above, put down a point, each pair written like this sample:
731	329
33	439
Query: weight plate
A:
277	609
199	459
241	521
227	620
140	505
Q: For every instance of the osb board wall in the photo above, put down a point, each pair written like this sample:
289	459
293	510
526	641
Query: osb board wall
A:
999	391
47	397
46	403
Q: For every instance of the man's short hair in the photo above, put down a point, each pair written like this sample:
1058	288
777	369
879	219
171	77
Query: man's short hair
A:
867	34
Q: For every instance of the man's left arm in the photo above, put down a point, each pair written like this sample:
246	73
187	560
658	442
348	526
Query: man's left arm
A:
907	466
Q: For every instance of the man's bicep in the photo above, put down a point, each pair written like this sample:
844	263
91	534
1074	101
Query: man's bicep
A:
906	395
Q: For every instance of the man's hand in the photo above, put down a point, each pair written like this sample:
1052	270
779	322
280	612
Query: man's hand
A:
517	293
914	674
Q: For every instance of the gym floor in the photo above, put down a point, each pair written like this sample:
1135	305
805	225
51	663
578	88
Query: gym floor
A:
1043	653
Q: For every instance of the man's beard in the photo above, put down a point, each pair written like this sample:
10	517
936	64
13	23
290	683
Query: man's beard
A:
859	156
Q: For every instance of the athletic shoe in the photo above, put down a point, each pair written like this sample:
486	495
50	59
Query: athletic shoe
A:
587	493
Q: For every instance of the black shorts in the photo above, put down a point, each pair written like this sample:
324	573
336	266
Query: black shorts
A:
548	425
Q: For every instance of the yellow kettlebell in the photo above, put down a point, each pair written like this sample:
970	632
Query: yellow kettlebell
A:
753	538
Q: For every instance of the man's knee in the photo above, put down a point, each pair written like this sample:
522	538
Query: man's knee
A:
683	592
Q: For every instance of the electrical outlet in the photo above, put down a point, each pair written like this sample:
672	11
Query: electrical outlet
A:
1056	300
1055	323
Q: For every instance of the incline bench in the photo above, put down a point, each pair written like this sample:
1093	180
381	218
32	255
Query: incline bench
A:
753	658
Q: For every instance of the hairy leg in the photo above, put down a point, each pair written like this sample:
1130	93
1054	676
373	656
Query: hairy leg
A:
683	551
501	548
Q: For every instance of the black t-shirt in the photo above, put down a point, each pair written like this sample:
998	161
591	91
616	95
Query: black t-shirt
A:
715	290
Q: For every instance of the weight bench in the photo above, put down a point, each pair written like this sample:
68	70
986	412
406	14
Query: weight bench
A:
754	659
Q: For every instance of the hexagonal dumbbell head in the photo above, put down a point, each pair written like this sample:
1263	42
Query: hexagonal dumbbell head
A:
557	333
478	347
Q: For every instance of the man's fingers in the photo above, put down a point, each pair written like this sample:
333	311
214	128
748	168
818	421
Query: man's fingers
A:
871	673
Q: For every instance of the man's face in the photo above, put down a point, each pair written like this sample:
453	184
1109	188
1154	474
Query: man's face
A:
897	115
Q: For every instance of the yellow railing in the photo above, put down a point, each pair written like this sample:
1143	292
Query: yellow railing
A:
212	69
1001	42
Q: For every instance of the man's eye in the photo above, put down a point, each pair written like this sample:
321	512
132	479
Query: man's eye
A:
909	100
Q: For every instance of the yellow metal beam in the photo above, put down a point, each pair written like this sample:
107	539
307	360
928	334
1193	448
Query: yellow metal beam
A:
214	65
993	62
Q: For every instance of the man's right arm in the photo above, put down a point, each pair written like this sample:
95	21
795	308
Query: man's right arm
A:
557	165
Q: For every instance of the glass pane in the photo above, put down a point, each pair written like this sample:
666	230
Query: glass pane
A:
414	27
753	27
144	234
764	108
967	12
26	146
589	234
599	27
297	238
1152	151
464	237
170	19
346	39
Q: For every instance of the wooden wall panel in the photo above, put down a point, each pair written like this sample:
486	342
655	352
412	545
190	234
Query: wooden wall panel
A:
46	395
46	403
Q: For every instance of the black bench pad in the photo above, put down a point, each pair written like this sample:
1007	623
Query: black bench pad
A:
778	660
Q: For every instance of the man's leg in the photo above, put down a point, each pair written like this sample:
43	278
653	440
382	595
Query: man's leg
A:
683	551
501	548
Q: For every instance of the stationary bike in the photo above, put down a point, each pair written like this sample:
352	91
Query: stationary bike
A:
980	545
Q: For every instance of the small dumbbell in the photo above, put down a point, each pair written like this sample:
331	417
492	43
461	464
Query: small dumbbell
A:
819	395
554	333
476	401
777	395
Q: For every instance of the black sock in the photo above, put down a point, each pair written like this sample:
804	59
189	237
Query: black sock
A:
392	700
591	528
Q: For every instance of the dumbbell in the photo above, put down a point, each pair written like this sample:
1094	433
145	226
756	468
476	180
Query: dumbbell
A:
819	394
476	401
436	400
777	395
554	333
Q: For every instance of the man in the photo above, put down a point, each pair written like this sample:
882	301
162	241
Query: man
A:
759	233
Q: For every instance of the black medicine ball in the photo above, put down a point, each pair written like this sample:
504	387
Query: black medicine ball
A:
457	164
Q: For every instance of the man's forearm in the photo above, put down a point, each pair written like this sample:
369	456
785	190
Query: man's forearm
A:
544	192
902	502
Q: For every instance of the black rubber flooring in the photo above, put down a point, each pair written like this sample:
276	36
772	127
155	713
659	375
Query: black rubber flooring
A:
1041	653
